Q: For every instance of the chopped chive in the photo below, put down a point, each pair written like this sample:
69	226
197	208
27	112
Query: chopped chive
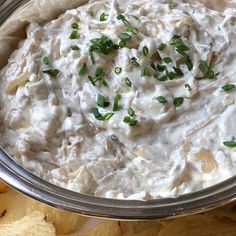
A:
189	63
127	119
131	112
178	101
130	28
134	61
162	46
133	122
90	78
171	75
163	78
118	70
167	60
145	51
52	72
74	26
187	86
160	68
46	60
145	72
103	16
83	69
124	36
178	71
206	70
108	116
231	144
128	82
74	34
99	116
161	99
74	47
228	87
116	102
99	71
101	101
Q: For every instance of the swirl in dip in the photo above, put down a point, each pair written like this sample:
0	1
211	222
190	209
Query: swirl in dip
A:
134	104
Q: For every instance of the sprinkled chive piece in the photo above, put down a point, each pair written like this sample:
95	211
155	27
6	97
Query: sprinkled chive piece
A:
101	117
160	68
231	144
167	60
187	86
103	45
135	17
162	46
52	72
145	72
161	99
74	34
103	16
134	61
46	60
171	75
163	78
101	101
206	70
128	82
181	48
124	38
130	27
116	102
178	101
74	47
145	51
178	71
131	112
118	70
130	120
228	87
98	77
83	69
74	26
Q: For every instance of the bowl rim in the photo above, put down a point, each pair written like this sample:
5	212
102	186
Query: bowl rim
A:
43	191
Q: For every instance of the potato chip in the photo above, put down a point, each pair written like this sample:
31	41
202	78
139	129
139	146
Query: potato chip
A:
31	225
64	222
105	228
12	206
3	187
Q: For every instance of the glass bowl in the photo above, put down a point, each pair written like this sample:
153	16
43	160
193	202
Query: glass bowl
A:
34	187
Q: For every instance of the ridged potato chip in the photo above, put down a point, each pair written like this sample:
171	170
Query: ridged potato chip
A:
3	187
33	224
64	222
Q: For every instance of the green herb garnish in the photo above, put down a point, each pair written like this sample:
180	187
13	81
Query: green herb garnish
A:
128	82
103	45
74	26
116	102
103	16
178	71
228	87
131	112
134	61
161	99
46	60
206	70
187	86
162	46
167	60
98	77
145	51
74	34
230	144
74	47
145	72
130	27
118	70
101	117
52	72
178	101
102	101
83	69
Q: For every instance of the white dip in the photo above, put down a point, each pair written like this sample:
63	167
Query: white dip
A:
173	141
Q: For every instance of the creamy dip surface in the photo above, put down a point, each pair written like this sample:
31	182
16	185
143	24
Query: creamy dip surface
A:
134	104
